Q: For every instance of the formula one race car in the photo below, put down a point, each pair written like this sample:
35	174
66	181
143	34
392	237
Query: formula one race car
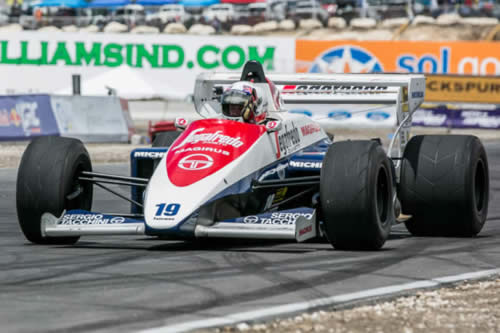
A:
280	177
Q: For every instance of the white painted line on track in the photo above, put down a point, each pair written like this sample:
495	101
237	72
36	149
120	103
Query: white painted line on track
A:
279	310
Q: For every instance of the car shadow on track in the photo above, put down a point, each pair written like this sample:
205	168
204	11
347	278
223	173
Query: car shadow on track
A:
263	246
269	246
274	246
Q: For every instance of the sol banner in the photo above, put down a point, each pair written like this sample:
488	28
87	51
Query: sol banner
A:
469	58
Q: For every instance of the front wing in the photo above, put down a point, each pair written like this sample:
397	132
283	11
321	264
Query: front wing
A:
299	224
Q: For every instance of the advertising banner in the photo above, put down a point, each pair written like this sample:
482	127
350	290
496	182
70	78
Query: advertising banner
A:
25	117
458	116
91	119
355	116
469	58
348	115
136	66
454	88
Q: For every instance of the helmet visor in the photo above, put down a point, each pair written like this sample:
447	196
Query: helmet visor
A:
233	102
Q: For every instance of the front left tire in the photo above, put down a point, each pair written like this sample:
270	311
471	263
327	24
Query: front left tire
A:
47	182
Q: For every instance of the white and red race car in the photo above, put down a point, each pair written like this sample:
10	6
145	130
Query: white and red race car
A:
283	179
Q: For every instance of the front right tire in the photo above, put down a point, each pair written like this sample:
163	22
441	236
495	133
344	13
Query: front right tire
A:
356	195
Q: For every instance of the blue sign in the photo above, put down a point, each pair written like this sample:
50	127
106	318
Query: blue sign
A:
377	115
306	112
339	115
26	116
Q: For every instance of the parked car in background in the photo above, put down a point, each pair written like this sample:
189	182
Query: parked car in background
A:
69	16
384	9
27	19
330	6
241	13
168	14
4	16
258	12
223	12
347	9
278	9
131	15
100	16
309	9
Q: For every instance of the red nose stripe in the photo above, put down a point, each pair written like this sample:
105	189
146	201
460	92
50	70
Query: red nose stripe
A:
207	146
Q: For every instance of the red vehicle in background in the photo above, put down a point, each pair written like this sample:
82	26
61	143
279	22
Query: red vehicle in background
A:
162	133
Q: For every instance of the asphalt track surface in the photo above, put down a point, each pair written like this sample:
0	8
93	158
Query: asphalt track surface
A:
121	284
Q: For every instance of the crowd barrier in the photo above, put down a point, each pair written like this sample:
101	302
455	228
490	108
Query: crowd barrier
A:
480	116
165	66
91	119
456	101
349	115
460	102
458	116
152	66
431	57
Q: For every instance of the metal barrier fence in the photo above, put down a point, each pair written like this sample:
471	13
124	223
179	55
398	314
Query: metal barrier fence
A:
379	12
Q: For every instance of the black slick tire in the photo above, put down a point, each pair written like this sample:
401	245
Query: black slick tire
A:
445	185
165	139
356	194
47	176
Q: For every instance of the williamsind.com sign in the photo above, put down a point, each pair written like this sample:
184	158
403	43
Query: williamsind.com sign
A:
166	64
133	55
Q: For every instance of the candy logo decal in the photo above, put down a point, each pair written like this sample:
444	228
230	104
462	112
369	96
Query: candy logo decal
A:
212	137
208	146
196	162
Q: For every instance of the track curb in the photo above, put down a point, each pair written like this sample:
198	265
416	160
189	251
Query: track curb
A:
343	300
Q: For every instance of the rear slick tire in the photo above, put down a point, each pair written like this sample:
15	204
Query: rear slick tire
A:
48	173
356	195
445	185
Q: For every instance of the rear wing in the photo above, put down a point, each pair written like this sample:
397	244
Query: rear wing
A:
327	88
405	91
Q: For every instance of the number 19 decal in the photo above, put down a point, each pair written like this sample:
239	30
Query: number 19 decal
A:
167	210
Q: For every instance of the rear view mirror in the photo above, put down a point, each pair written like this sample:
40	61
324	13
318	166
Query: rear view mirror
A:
273	126
181	123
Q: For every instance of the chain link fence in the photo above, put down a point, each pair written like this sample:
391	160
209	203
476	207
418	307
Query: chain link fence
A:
66	18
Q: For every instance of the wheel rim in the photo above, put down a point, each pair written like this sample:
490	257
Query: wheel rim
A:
479	186
382	195
78	196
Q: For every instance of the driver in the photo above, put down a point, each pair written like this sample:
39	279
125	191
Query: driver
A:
243	102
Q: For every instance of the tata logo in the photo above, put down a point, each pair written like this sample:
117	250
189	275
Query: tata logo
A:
196	162
252	219
346	59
